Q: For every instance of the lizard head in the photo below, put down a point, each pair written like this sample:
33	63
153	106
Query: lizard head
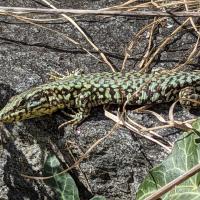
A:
29	104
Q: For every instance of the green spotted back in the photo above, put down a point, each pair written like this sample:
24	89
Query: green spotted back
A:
86	91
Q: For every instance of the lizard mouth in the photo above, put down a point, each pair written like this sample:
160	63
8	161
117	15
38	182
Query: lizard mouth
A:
14	116
6	117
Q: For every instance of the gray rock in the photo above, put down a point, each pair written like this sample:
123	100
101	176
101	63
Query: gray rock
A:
117	166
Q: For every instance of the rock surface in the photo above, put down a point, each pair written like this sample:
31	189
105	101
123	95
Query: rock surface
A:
117	166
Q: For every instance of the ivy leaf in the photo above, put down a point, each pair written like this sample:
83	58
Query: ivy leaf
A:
63	184
196	125
184	156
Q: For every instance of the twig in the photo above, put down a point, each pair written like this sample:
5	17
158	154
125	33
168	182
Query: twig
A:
20	10
135	39
164	43
138	130
150	43
173	183
84	156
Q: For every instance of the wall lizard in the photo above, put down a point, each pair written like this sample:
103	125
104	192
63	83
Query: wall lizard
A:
83	92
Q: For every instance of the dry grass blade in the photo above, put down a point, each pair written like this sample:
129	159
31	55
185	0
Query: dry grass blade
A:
142	127
82	174
158	4
25	19
185	125
158	127
175	123
129	12
119	7
164	43
85	36
120	121
170	4
135	40
190	58
191	20
171	111
149	45
45	19
159	117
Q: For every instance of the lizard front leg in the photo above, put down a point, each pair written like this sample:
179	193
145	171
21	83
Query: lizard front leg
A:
82	102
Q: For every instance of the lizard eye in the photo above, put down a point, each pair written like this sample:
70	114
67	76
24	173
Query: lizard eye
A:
33	103
36	100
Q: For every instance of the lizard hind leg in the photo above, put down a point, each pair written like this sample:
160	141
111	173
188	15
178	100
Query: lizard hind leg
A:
54	75
188	98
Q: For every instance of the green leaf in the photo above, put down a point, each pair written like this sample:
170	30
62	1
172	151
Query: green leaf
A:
196	125
63	184
185	155
98	198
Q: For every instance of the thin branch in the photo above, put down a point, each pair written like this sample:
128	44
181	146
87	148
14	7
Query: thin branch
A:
84	156
173	183
136	38
20	10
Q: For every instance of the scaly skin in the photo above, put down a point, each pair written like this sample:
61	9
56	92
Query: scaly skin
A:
86	91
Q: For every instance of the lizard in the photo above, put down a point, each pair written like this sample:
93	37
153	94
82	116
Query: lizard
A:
84	91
